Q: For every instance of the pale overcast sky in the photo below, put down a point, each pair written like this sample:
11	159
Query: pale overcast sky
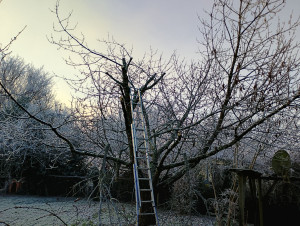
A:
166	25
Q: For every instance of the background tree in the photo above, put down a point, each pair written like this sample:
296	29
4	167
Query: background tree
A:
32	88
28	148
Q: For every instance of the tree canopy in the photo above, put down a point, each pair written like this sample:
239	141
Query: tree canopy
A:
247	75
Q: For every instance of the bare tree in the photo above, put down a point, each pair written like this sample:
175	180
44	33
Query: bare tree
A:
32	88
27	147
247	74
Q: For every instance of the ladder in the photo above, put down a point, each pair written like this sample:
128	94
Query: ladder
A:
145	203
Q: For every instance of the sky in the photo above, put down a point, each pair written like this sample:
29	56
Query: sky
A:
165	25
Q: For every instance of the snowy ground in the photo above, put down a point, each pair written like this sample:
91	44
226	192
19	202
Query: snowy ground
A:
34	210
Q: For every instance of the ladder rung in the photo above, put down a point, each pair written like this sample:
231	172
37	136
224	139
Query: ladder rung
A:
142	148
147	214
145	189
147	201
141	168
139	157
144	178
138	129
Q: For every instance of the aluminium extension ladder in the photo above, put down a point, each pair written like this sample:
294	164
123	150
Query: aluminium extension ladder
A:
145	203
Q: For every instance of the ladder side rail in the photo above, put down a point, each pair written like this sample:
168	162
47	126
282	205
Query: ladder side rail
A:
136	173
135	165
136	192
